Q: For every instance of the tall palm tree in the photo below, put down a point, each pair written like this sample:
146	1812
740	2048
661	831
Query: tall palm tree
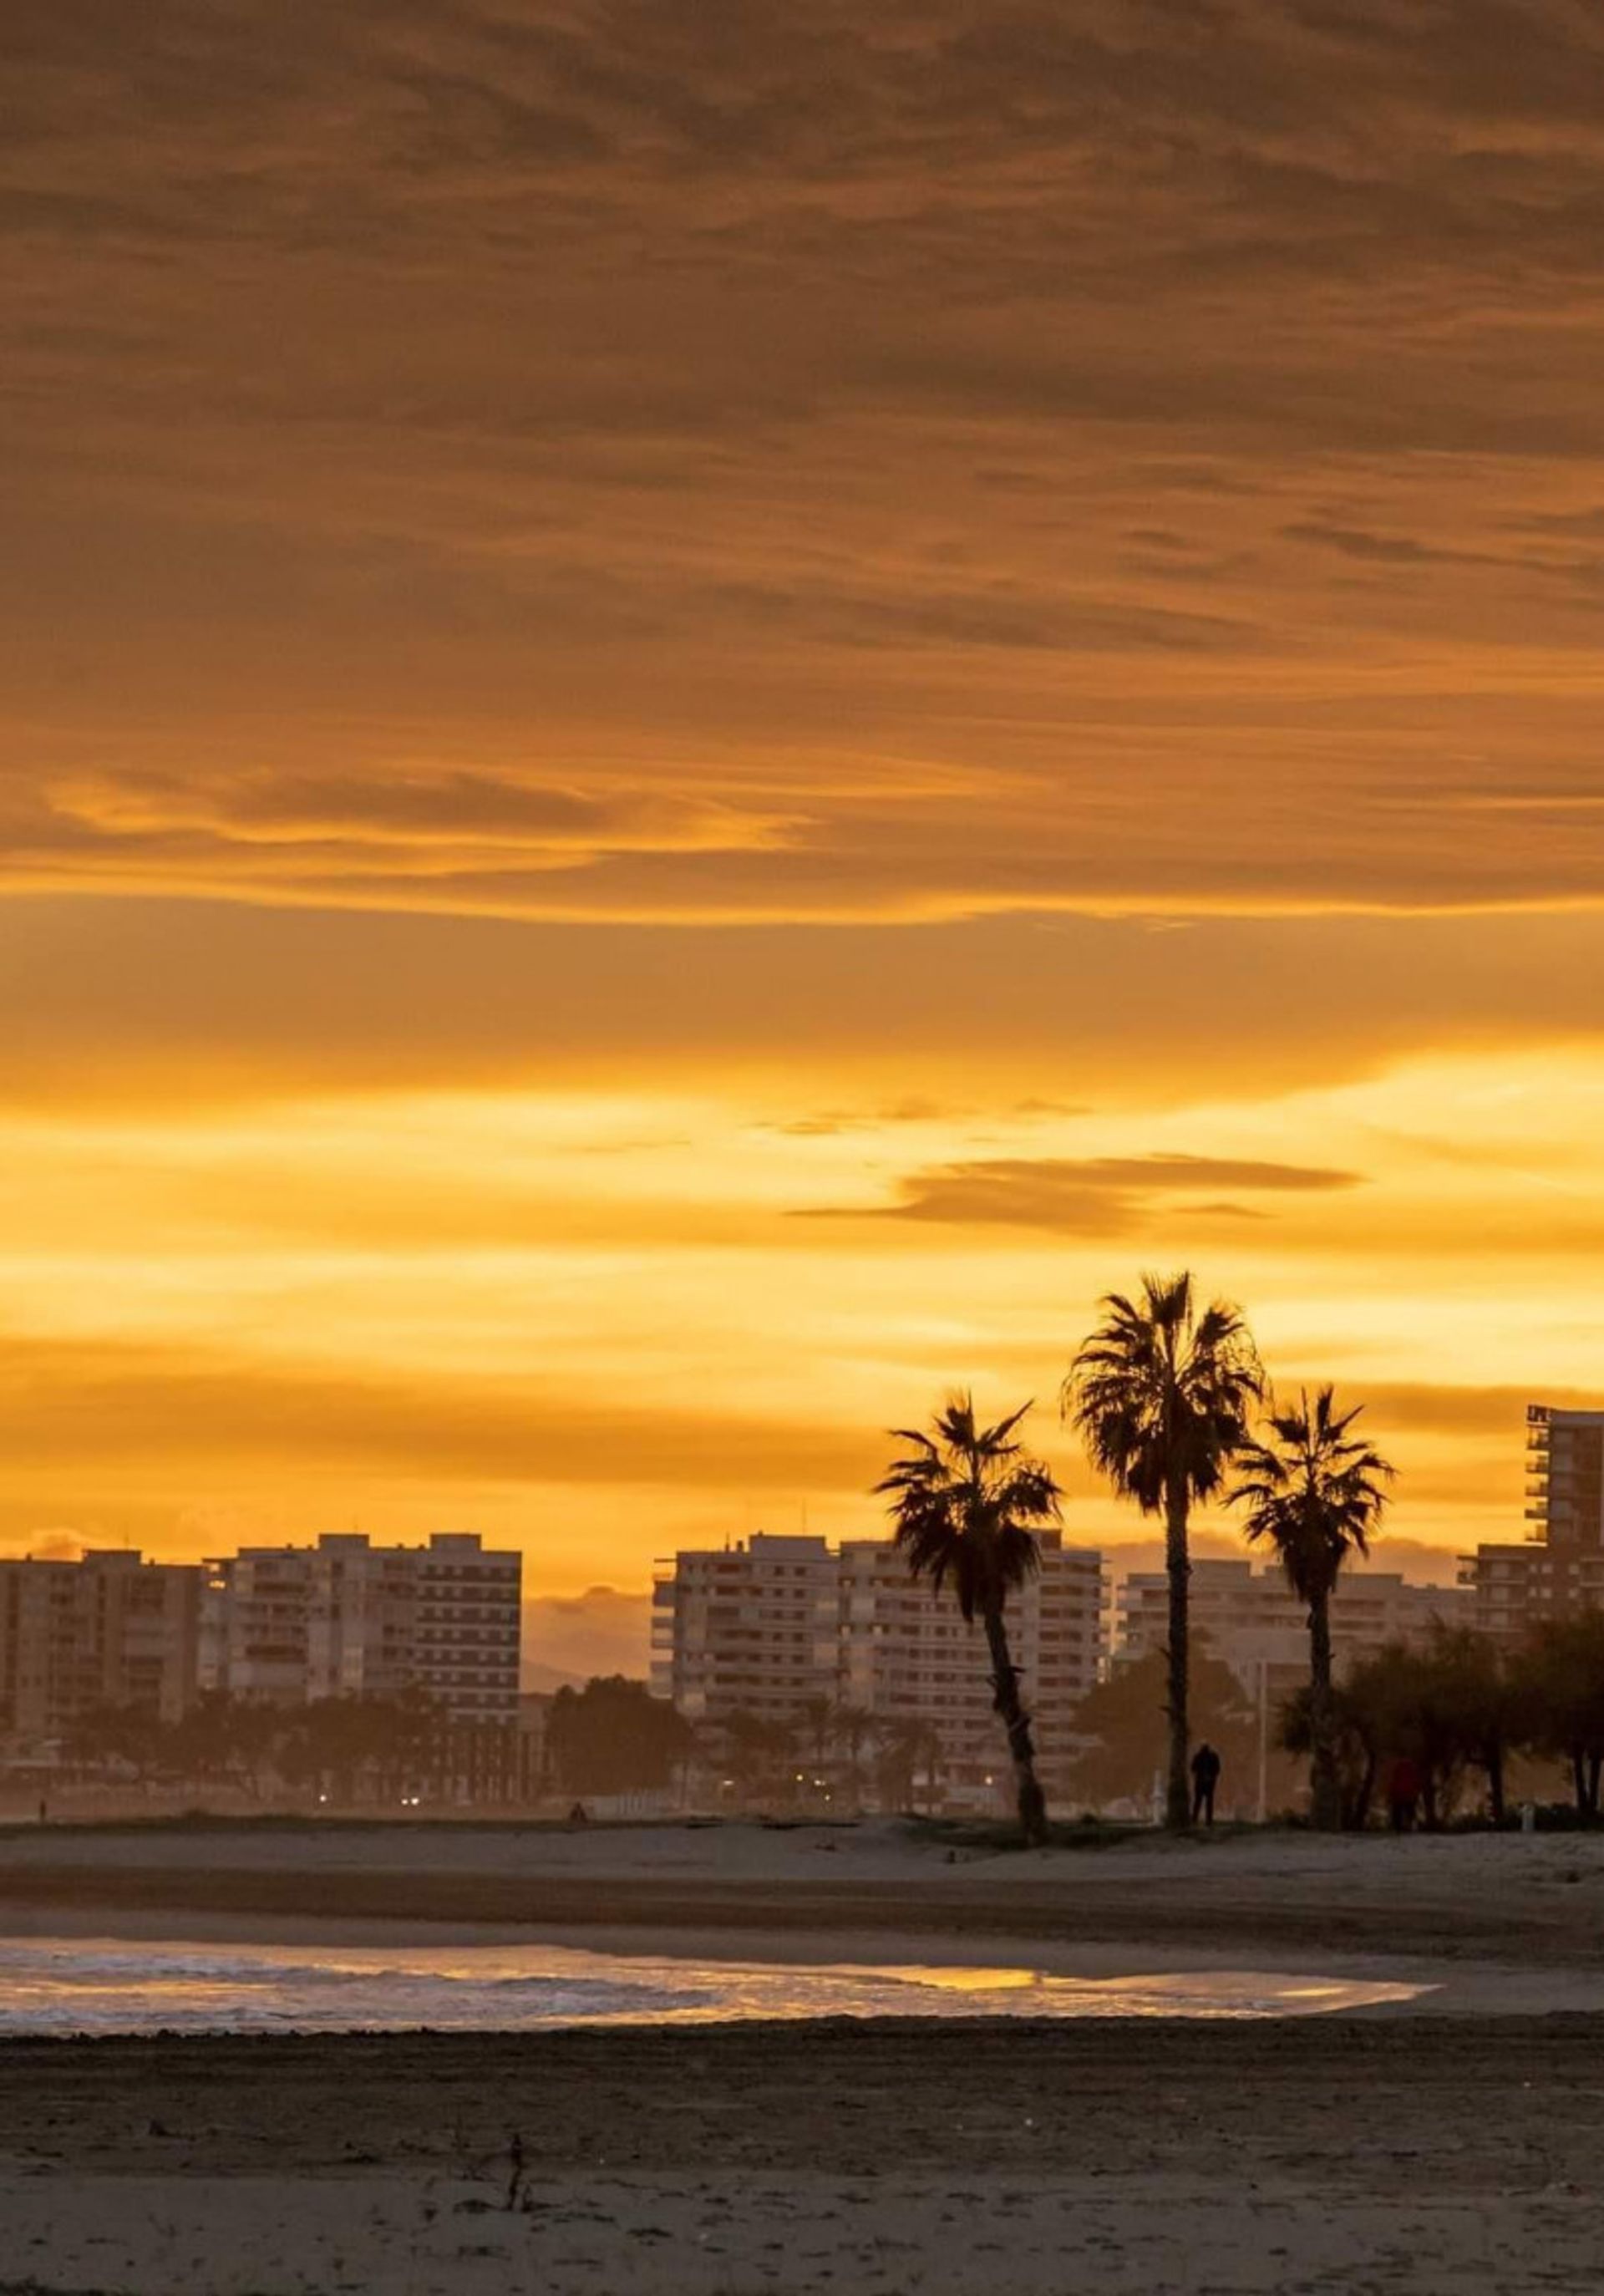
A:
966	1502
1162	1396
1314	1493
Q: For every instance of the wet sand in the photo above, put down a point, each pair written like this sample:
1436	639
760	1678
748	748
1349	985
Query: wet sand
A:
1388	2151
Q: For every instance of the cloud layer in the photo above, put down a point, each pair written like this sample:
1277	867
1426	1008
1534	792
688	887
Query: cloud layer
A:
897	463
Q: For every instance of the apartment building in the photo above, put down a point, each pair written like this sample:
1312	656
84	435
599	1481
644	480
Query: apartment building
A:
255	1624
468	1626
347	1618
752	1628
1251	1619
905	1656
107	1630
1565	1478
1558	1568
773	1626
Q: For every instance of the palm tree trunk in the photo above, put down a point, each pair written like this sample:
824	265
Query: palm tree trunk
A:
1324	1801
1021	1748
1177	1813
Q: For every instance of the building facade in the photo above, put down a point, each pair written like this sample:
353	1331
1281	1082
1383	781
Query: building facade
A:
255	1609
1564	1478
782	1629
345	1619
906	1657
752	1628
1251	1621
1557	1570
106	1631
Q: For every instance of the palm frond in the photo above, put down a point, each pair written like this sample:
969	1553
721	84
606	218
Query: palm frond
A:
965	1505
1314	1493
1160	1396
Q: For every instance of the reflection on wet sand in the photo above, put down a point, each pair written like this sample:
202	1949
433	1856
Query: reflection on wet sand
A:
103	1986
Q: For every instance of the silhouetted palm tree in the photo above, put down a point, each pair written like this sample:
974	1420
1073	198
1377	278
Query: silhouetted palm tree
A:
1314	1493
1161	1396
966	1502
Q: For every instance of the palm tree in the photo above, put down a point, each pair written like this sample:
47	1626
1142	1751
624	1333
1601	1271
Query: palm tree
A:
1162	1396
966	1502
1313	1492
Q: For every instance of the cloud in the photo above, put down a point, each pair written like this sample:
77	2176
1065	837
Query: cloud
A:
165	1004
605	1631
874	464
1497	1414
1086	1196
117	1408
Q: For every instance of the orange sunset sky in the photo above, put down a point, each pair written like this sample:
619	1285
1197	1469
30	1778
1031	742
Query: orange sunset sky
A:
707	710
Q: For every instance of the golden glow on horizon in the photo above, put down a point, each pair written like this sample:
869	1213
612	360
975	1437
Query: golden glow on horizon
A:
594	1322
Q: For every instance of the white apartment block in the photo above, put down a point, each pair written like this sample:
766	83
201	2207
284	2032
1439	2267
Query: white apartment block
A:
1557	1570
1252	1620
346	1618
1565	1478
254	1612
771	1625
106	1631
906	1655
752	1628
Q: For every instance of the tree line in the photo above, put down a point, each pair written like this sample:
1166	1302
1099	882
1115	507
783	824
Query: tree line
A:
611	1736
1464	1711
348	1749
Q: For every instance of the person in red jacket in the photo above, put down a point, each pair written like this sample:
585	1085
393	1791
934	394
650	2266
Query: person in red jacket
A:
1403	1794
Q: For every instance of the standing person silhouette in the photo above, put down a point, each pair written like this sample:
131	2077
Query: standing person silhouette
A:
1206	1777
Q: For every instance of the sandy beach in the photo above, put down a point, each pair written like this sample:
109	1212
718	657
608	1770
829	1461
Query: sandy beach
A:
1530	1900
1452	2144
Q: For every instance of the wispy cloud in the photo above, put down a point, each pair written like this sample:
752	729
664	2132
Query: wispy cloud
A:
1087	1196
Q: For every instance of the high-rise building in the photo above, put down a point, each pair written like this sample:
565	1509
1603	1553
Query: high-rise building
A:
908	1656
1565	1478
748	1628
255	1624
467	1627
1252	1621
347	1618
779	1627
1558	1568
106	1631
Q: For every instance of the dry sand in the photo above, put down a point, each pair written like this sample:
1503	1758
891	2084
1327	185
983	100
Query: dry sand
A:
1378	2152
1332	2154
1537	1900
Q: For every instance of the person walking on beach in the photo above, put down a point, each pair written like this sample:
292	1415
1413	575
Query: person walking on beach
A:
1206	1777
